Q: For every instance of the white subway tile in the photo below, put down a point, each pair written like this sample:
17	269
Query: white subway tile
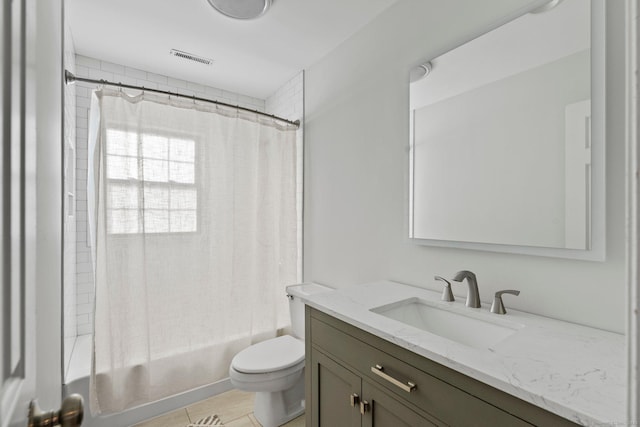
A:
213	92
84	308
82	91
85	288
85	329
157	78
82	133
128	80
136	73
195	87
83	102
147	84
111	67
233	97
82	60
176	83
100	75
84	267
84	279
82	112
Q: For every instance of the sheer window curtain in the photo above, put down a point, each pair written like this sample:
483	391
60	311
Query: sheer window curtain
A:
193	219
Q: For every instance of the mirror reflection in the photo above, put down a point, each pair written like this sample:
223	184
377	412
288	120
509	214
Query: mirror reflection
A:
501	135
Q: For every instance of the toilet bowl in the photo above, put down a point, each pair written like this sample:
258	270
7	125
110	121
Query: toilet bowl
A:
274	369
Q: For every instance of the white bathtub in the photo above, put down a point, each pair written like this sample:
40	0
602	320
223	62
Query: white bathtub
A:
77	381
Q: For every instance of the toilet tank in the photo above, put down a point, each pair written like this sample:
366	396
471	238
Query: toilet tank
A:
297	294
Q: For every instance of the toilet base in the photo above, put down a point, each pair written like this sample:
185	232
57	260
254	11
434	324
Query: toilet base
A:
273	409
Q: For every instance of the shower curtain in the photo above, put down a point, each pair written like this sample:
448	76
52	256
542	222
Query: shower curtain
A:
193	219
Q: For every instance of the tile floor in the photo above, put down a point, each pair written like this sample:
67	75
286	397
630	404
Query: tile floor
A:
235	409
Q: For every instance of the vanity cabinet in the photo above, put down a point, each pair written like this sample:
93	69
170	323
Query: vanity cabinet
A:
354	378
344	398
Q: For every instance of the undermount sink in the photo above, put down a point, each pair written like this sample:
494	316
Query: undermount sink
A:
463	325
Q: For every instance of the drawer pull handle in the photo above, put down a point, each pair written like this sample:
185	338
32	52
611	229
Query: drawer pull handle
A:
354	399
379	371
364	407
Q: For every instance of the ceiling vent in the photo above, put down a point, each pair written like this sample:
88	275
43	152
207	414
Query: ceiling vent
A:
191	57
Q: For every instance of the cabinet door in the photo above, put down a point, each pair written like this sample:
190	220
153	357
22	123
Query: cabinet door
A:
386	411
333	387
383	410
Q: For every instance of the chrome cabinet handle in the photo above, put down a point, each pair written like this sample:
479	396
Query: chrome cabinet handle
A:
364	406
354	399
379	371
69	415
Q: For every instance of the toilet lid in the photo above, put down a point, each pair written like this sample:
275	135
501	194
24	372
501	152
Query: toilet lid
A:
268	356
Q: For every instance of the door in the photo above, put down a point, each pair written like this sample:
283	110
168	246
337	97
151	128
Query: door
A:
335	397
30	182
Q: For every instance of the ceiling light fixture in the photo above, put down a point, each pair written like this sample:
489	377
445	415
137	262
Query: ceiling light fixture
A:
241	9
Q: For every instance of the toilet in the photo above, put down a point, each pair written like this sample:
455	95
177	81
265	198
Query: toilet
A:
274	369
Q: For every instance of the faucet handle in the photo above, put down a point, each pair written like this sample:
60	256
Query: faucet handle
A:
498	306
447	295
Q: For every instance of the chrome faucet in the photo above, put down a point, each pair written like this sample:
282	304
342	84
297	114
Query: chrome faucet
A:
473	297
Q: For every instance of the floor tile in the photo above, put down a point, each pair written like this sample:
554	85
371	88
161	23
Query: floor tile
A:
176	418
228	406
296	422
240	422
254	421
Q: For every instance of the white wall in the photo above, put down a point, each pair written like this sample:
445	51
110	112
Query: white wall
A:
356	170
97	69
288	102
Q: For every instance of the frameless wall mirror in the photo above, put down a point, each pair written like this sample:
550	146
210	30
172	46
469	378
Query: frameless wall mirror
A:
507	138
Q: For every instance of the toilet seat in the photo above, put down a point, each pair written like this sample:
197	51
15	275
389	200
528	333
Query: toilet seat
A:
269	356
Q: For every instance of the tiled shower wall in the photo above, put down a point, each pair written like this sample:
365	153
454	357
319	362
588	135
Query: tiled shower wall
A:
288	102
97	69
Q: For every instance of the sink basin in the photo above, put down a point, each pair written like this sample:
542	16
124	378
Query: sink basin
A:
463	325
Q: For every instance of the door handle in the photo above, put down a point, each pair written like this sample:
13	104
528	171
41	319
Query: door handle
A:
69	415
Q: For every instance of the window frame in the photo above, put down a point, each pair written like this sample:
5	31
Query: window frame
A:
169	185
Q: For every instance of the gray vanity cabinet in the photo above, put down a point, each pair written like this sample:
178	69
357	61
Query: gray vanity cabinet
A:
343	398
354	378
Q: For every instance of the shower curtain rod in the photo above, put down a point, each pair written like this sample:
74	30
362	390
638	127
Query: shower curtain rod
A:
69	78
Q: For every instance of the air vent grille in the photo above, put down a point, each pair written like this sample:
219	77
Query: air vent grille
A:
191	57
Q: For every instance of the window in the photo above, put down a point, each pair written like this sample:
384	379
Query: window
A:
151	183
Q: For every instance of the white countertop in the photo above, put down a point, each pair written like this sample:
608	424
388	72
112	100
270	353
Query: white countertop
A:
571	370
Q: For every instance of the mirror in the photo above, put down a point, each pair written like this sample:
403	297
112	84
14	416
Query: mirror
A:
507	138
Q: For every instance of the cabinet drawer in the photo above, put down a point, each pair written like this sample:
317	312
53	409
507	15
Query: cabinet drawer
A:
431	395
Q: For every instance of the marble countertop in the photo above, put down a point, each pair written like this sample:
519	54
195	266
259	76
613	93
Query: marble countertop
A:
574	371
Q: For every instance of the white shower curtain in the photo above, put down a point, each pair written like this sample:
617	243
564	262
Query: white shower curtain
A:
194	224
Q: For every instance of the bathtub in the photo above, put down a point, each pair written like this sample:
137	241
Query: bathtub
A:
77	381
